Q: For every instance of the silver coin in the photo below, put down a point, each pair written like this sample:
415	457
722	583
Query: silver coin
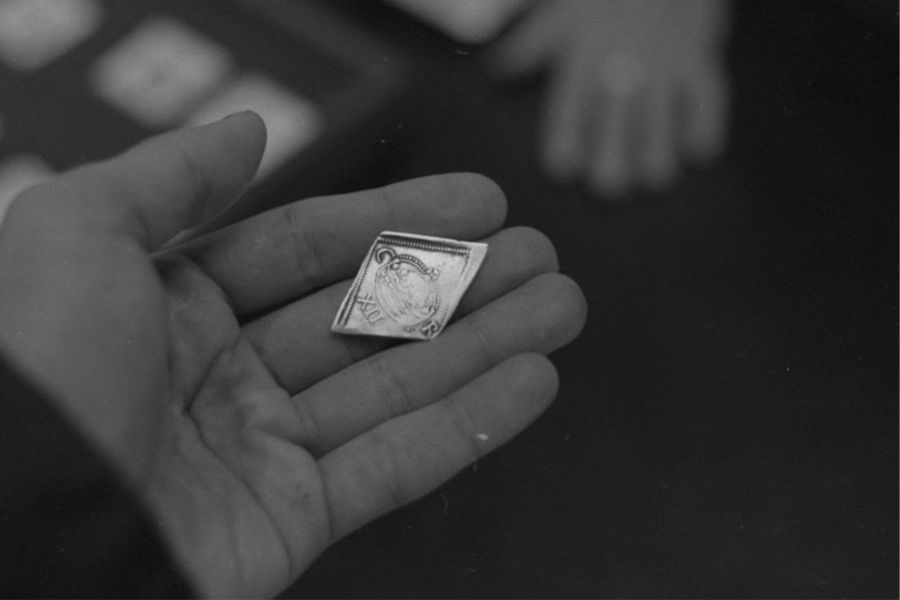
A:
408	286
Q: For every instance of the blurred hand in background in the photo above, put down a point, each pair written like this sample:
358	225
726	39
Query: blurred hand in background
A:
637	87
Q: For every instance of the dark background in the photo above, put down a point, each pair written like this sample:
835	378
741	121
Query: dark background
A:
727	423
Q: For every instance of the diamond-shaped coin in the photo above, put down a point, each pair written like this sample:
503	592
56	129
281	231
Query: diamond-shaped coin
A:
408	286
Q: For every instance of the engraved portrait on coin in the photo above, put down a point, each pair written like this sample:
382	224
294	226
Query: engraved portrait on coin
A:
406	289
408	286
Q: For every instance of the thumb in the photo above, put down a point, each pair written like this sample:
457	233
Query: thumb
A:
151	192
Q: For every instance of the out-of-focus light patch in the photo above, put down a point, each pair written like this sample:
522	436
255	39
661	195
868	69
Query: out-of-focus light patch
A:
17	173
160	72
35	32
292	122
470	21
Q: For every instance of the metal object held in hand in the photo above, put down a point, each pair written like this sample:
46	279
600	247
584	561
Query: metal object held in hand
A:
408	286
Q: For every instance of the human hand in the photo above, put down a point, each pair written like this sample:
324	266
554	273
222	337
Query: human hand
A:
207	371
637	87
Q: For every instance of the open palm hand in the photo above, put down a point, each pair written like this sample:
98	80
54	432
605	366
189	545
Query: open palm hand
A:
207	372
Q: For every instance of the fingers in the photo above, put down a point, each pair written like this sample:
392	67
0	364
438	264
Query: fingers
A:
287	252
563	128
658	162
608	171
539	316
158	188
638	144
283	338
706	99
405	458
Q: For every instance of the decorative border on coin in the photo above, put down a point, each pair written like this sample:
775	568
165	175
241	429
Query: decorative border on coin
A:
408	286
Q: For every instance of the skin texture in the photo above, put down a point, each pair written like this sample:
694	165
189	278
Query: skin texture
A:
637	87
206	371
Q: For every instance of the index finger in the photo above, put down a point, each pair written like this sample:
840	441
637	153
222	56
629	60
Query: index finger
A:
287	252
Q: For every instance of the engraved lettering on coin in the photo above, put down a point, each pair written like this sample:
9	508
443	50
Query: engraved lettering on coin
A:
370	309
406	288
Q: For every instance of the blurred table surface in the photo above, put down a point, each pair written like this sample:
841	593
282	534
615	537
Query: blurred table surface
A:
727	423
